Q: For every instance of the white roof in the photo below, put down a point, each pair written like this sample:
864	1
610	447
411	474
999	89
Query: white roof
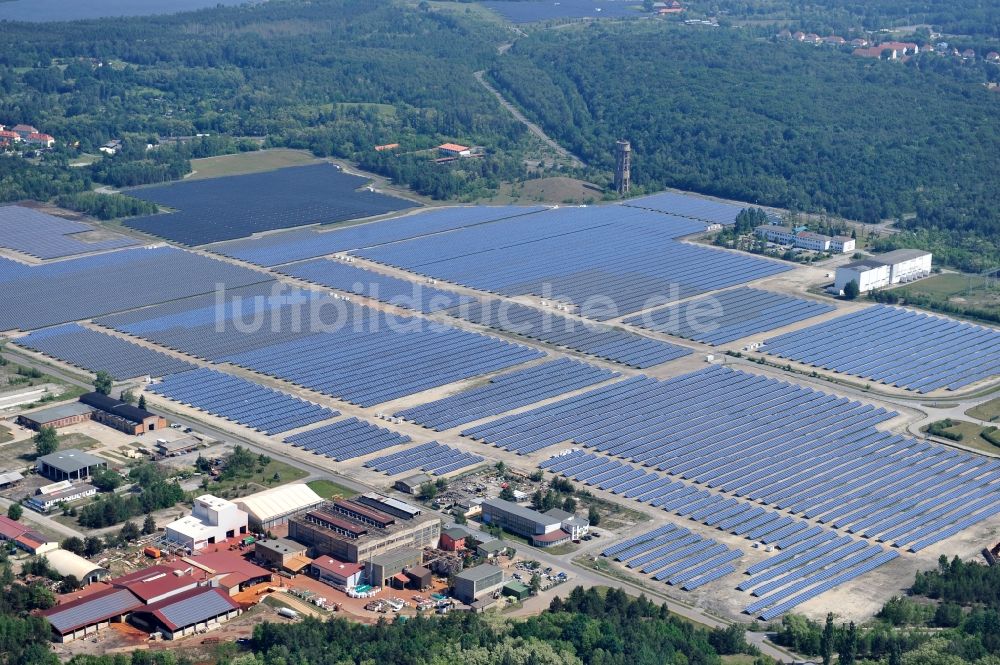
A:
279	501
66	563
192	527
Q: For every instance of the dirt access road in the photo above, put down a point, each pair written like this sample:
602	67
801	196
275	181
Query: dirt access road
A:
532	127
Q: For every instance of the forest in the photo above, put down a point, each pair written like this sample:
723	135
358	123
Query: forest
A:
335	76
807	129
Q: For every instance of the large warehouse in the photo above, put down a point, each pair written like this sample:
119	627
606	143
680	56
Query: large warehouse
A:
186	613
275	506
121	415
66	563
877	272
62	415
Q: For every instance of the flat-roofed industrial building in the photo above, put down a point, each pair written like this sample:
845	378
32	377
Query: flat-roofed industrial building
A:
473	583
338	531
62	415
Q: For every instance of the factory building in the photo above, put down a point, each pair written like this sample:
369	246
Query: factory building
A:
542	529
121	415
57	417
212	520
354	532
473	583
281	554
382	568
275	506
338	574
878	272
71	464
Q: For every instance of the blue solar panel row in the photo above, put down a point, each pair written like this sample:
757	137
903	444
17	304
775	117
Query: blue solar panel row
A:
506	392
597	340
433	457
96	351
217	209
689	205
898	347
346	439
241	401
772	442
77	289
355	353
676	556
730	315
403	293
375	358
810	555
607	260
296	245
45	236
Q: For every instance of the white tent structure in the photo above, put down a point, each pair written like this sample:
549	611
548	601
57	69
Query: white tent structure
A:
274	506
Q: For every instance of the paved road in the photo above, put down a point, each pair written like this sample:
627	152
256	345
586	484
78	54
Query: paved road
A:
532	127
42	521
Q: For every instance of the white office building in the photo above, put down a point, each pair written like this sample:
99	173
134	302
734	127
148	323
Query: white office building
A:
211	521
877	272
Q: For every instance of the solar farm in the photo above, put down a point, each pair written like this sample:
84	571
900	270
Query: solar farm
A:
219	209
896	346
43	236
588	342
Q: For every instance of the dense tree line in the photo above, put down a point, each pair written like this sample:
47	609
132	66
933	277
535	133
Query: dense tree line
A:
800	128
335	76
106	206
591	627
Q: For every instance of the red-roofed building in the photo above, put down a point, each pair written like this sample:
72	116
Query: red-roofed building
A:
455	150
338	574
187	613
37	138
25	537
10	529
156	583
7	135
230	570
24	130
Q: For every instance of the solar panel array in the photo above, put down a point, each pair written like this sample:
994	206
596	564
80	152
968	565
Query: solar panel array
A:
241	401
729	315
898	347
295	245
347	351
196	608
598	340
96	351
76	289
772	442
433	457
369	361
346	439
393	290
217	209
506	392
45	236
608	260
676	556
687	205
813	558
102	605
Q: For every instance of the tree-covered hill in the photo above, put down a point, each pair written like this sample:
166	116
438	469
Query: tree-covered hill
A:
805	128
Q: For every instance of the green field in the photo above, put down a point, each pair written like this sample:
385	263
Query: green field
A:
265	478
971	436
248	162
5	434
988	411
79	441
329	489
